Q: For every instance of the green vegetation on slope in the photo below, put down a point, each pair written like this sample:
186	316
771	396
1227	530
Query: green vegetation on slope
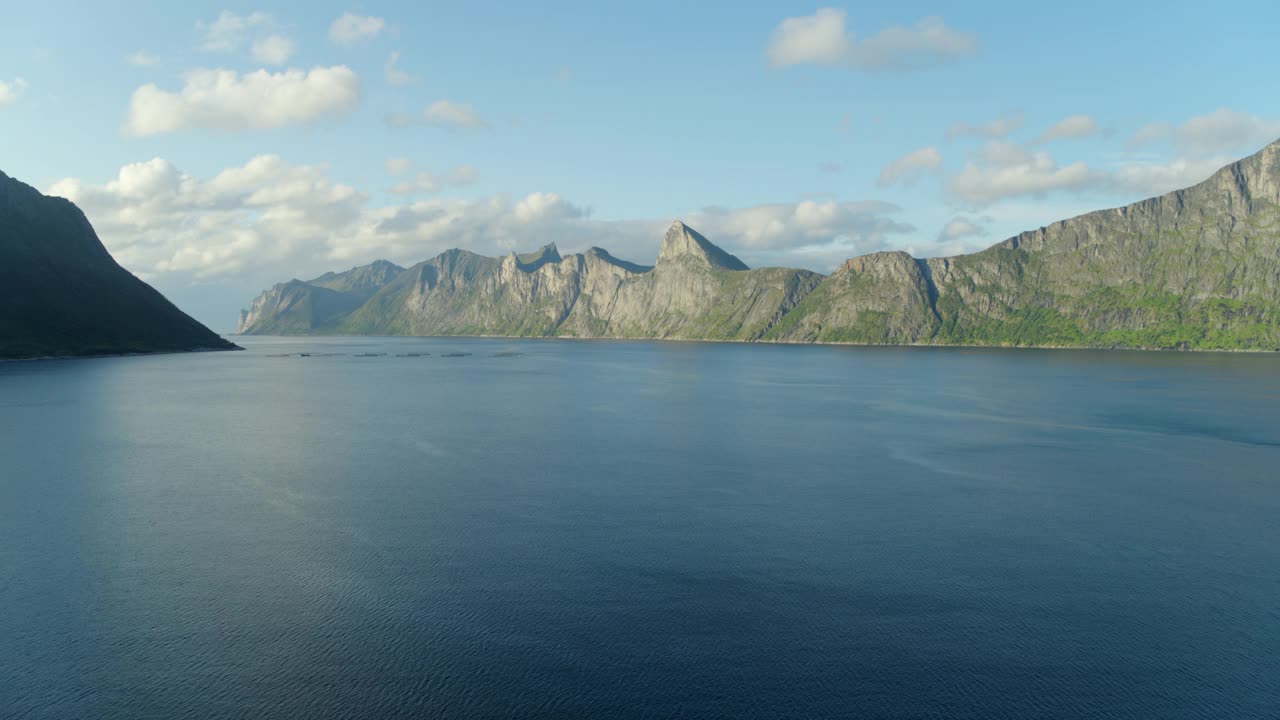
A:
1195	269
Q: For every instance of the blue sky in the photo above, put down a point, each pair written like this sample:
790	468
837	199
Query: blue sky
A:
219	148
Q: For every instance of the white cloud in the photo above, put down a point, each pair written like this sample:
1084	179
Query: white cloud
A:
820	38
1157	178
425	182
447	114
806	234
397	165
790	225
1008	170
442	114
540	205
959	236
998	128
143	59
958	227
224	99
272	220
230	31
1220	131
823	39
156	219
351	29
911	166
10	91
393	74
1073	126
273	50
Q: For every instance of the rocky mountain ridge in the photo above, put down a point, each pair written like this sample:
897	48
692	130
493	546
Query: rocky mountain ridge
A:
1196	268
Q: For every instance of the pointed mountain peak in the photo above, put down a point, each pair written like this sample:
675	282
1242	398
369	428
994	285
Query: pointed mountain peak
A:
683	241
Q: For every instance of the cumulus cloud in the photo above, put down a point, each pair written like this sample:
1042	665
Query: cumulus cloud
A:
351	29
494	225
12	90
226	100
273	50
143	59
156	219
270	220
957	228
1003	170
1007	170
1070	127
1220	131
442	114
393	74
282	219
823	39
426	182
1157	178
911	166
1001	127
777	226
808	233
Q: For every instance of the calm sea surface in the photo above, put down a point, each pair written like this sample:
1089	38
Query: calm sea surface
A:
640	530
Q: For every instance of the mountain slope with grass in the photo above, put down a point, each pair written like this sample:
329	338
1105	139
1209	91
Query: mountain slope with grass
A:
1194	269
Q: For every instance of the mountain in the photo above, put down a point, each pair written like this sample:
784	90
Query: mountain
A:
696	291
298	307
1196	268
62	294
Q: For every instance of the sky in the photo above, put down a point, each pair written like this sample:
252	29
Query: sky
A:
219	148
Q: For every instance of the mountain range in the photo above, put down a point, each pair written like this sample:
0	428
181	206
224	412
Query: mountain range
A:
62	294
1198	268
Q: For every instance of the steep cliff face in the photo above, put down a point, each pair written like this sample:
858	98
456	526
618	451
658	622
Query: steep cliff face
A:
461	293
299	307
696	290
1196	268
62	294
879	298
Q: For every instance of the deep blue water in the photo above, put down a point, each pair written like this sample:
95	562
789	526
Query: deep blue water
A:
640	530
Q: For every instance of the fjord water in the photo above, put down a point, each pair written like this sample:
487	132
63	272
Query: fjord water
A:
640	530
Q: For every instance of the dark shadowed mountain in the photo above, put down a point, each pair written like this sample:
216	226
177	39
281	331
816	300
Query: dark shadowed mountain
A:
62	294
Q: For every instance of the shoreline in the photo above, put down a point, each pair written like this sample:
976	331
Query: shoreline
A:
945	346
45	358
